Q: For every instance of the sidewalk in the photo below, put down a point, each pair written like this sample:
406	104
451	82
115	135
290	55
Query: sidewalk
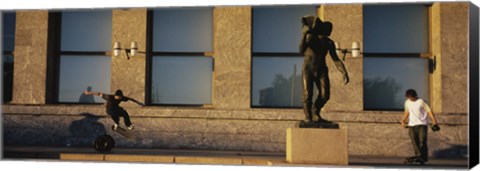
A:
208	157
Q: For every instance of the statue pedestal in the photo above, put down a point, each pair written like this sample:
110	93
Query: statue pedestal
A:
317	146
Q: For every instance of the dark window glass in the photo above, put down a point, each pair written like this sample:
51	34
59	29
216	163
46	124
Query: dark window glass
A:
86	31
395	28
182	80
278	29
276	77
183	30
8	31
7	78
181	73
8	24
85	37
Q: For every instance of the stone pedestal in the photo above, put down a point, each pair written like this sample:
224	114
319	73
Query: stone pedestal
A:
317	146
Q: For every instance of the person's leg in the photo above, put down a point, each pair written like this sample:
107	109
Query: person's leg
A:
114	115
413	132
422	136
307	94
126	117
323	86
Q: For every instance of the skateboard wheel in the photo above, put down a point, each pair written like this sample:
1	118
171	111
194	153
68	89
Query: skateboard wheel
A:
103	143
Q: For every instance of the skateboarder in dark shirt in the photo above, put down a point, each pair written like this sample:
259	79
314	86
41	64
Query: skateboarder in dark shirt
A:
113	108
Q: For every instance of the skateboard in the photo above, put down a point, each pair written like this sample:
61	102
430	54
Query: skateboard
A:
124	133
414	160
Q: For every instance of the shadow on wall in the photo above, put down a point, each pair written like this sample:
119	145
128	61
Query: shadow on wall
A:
380	93
85	130
455	151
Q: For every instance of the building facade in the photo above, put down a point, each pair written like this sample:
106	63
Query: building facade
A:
229	77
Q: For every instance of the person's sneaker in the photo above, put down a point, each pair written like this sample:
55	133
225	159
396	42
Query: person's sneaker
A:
130	127
114	127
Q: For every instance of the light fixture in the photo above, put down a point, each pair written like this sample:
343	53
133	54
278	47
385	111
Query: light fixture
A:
133	51
355	50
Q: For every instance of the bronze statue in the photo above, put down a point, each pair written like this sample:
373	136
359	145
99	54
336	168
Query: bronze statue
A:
314	46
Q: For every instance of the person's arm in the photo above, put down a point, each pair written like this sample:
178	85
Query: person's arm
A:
338	62
429	111
405	117
303	42
135	101
93	93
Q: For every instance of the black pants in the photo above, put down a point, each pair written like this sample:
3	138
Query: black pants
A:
115	113
418	135
322	82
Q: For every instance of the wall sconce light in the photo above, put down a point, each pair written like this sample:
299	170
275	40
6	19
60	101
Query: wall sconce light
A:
355	50
133	51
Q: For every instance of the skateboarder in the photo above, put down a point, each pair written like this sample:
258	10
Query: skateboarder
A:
113	108
417	112
315	45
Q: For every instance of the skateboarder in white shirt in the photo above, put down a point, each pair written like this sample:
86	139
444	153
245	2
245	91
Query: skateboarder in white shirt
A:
417	112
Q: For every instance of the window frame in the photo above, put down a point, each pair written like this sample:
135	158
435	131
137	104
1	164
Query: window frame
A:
54	53
271	55
150	54
424	55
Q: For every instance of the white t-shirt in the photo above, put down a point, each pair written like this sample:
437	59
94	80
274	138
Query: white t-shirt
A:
418	112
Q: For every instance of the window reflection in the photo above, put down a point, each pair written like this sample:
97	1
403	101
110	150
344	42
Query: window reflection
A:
387	79
277	81
183	30
181	74
182	80
278	29
78	73
277	77
86	31
395	28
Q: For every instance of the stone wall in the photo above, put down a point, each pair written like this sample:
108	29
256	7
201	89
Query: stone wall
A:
129	26
454	56
347	23
232	54
370	133
30	66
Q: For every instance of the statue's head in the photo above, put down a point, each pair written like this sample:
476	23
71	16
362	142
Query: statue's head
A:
326	28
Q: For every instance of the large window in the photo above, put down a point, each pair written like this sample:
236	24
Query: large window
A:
182	65
396	40
83	62
276	61
8	36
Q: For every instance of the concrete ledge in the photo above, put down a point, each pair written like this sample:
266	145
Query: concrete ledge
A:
139	158
317	146
256	162
208	160
82	157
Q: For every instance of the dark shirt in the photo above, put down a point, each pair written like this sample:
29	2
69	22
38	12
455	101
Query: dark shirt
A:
112	102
